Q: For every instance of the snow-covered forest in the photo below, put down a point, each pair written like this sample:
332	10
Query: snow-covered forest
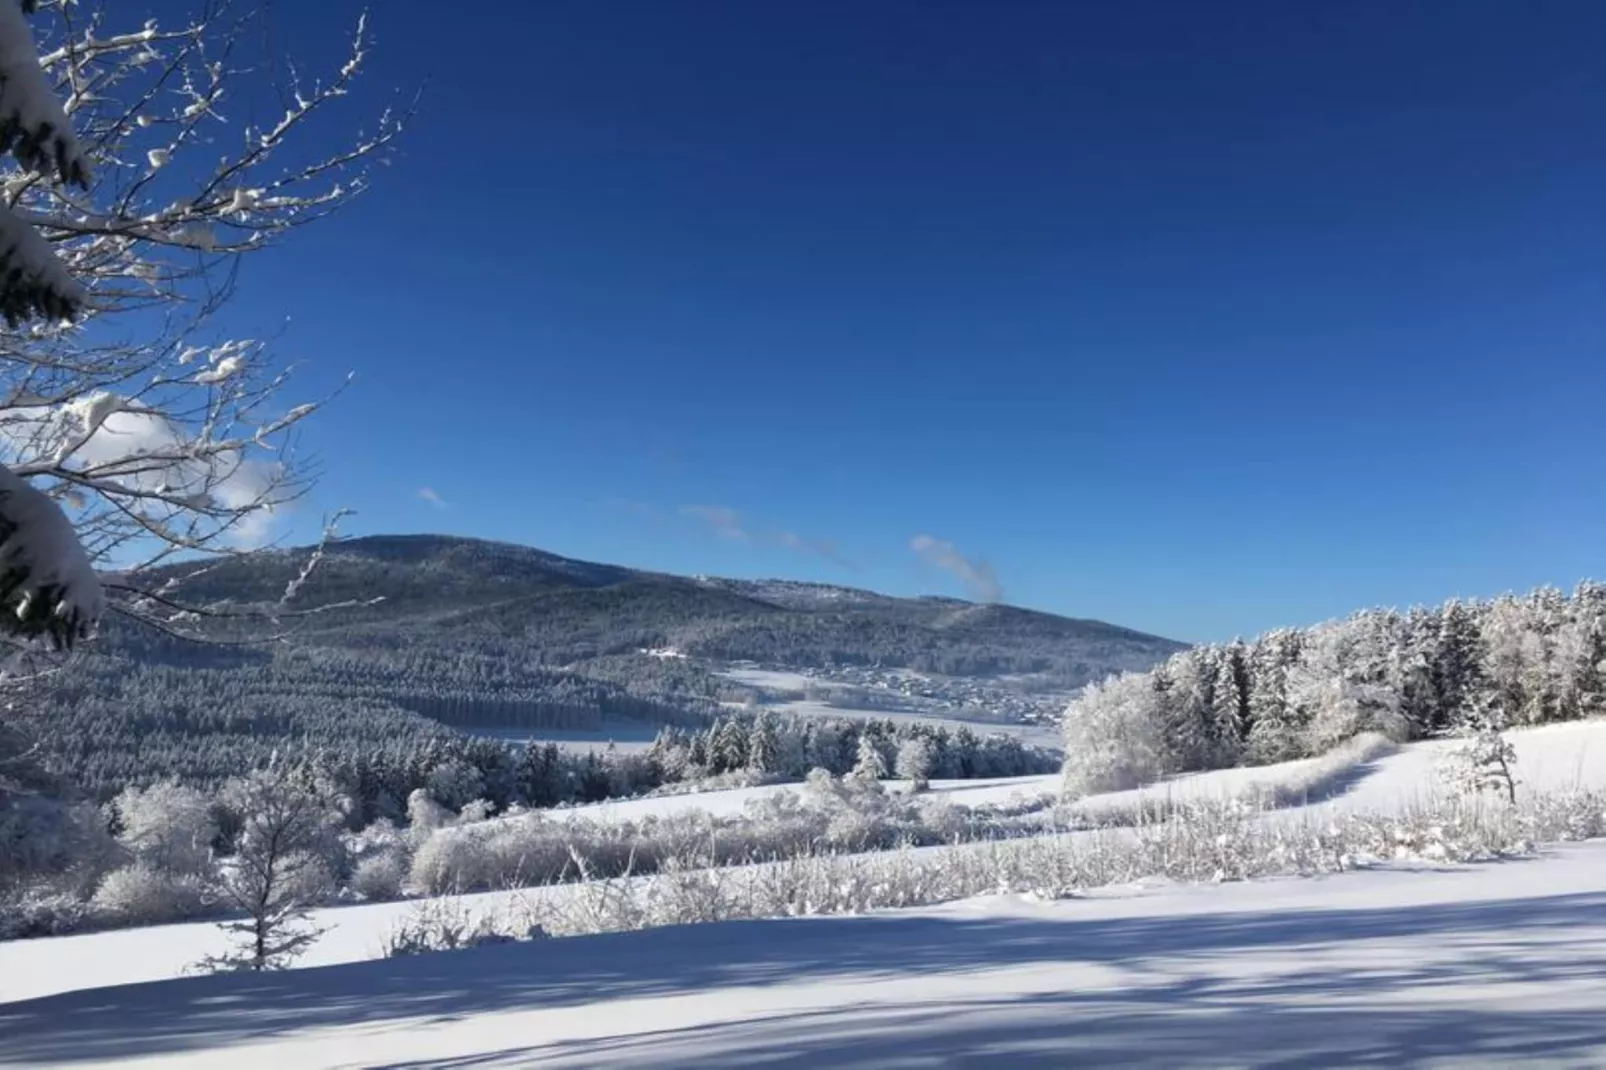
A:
1292	693
68	864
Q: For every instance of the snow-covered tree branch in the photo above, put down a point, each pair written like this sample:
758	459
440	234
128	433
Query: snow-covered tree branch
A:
160	436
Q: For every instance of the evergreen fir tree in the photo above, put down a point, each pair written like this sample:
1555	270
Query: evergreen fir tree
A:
1230	716
870	764
1187	693
762	749
1457	668
1274	732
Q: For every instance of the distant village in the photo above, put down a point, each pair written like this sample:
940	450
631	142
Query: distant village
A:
872	688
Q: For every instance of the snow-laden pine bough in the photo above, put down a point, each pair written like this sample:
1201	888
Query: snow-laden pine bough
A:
47	585
34	128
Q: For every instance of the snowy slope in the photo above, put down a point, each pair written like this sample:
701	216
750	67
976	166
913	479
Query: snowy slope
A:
1553	757
1494	965
733	801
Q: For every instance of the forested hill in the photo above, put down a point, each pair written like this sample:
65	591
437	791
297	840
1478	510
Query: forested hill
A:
470	633
533	608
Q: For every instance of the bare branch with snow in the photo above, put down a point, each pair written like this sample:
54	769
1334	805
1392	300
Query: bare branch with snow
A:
162	439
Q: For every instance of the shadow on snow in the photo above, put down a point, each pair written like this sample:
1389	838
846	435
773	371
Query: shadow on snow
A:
1296	1014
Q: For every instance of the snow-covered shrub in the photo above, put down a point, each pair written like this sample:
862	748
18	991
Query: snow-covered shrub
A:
915	760
1208	842
941	819
1113	737
1318	777
43	911
848	813
51	840
381	855
144	893
168	826
446	923
381	876
425	815
1482	761
510	852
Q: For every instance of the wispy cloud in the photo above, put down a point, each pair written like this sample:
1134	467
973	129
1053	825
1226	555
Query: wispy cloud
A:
819	547
976	574
730	524
430	495
726	523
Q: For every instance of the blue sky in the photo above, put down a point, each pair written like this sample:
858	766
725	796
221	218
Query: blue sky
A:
1199	318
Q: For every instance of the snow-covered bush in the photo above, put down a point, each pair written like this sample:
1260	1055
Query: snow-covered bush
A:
168	827
1219	841
425	815
445	923
381	876
511	852
1295	785
43	911
1113	736
144	893
44	838
914	762
1481	762
381	855
847	813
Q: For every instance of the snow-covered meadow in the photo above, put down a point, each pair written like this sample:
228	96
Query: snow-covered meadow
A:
962	977
1560	755
1498	964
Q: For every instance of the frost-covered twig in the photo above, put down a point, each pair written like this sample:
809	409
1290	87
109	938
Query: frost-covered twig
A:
160	439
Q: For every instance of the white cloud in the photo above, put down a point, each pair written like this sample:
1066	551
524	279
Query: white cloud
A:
976	574
820	547
727	523
430	495
145	452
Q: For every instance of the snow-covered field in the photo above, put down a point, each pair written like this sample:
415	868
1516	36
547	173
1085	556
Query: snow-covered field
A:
1366	968
774	679
1491	965
1550	757
1555	756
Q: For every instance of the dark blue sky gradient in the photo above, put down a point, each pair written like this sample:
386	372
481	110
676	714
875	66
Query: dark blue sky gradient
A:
1200	318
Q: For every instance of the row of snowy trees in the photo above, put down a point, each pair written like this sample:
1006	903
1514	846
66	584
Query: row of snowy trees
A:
43	835
1292	693
259	852
790	747
264	845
